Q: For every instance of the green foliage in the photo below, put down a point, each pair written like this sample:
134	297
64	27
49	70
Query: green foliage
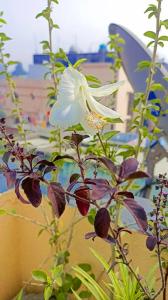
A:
20	295
39	275
59	283
121	282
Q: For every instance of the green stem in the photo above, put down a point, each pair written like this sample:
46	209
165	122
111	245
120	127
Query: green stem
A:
150	77
103	146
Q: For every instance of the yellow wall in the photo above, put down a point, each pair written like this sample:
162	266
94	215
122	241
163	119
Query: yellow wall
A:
21	250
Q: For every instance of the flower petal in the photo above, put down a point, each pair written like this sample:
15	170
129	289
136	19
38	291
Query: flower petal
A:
105	90
102	110
69	86
67	115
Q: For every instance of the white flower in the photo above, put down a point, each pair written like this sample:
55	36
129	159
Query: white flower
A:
75	103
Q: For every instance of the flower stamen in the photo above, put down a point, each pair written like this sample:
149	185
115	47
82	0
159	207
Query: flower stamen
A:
95	120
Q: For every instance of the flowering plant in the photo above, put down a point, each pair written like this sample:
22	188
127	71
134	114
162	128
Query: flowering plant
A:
88	147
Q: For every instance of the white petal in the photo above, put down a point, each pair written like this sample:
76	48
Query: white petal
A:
101	109
65	116
69	86
105	90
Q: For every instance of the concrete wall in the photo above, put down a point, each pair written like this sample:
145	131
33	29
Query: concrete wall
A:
21	249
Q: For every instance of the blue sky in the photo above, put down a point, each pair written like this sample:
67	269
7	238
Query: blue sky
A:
83	23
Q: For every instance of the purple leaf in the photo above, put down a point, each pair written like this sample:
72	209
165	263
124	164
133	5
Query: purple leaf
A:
125	194
109	164
59	157
32	190
56	195
49	169
10	176
109	239
43	163
83	204
137	212
128	167
102	222
100	187
137	175
69	189
151	242
74	177
6	156
78	138
90	235
17	192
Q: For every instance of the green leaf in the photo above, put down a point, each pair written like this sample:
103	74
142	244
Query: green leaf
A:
56	26
39	275
20	295
92	78
2	21
150	34
4	37
152	7
48	292
76	284
12	62
164	23
143	65
3	212
151	15
84	294
113	121
91	215
163	38
85	267
61	296
77	127
108	135
157	87
58	281
55	1
39	15
79	62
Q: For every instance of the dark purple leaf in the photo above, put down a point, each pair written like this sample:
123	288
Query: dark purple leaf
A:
102	222
125	194
78	138
90	235
17	191
69	189
83	200
49	169
108	163
56	195
6	156
43	163
10	176
137	212
151	242
128	167
74	177
100	187
109	239
137	175
32	190
59	157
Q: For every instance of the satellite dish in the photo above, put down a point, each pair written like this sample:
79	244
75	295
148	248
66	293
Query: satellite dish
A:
133	52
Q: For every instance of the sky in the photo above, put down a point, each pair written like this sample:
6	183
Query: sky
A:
83	24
